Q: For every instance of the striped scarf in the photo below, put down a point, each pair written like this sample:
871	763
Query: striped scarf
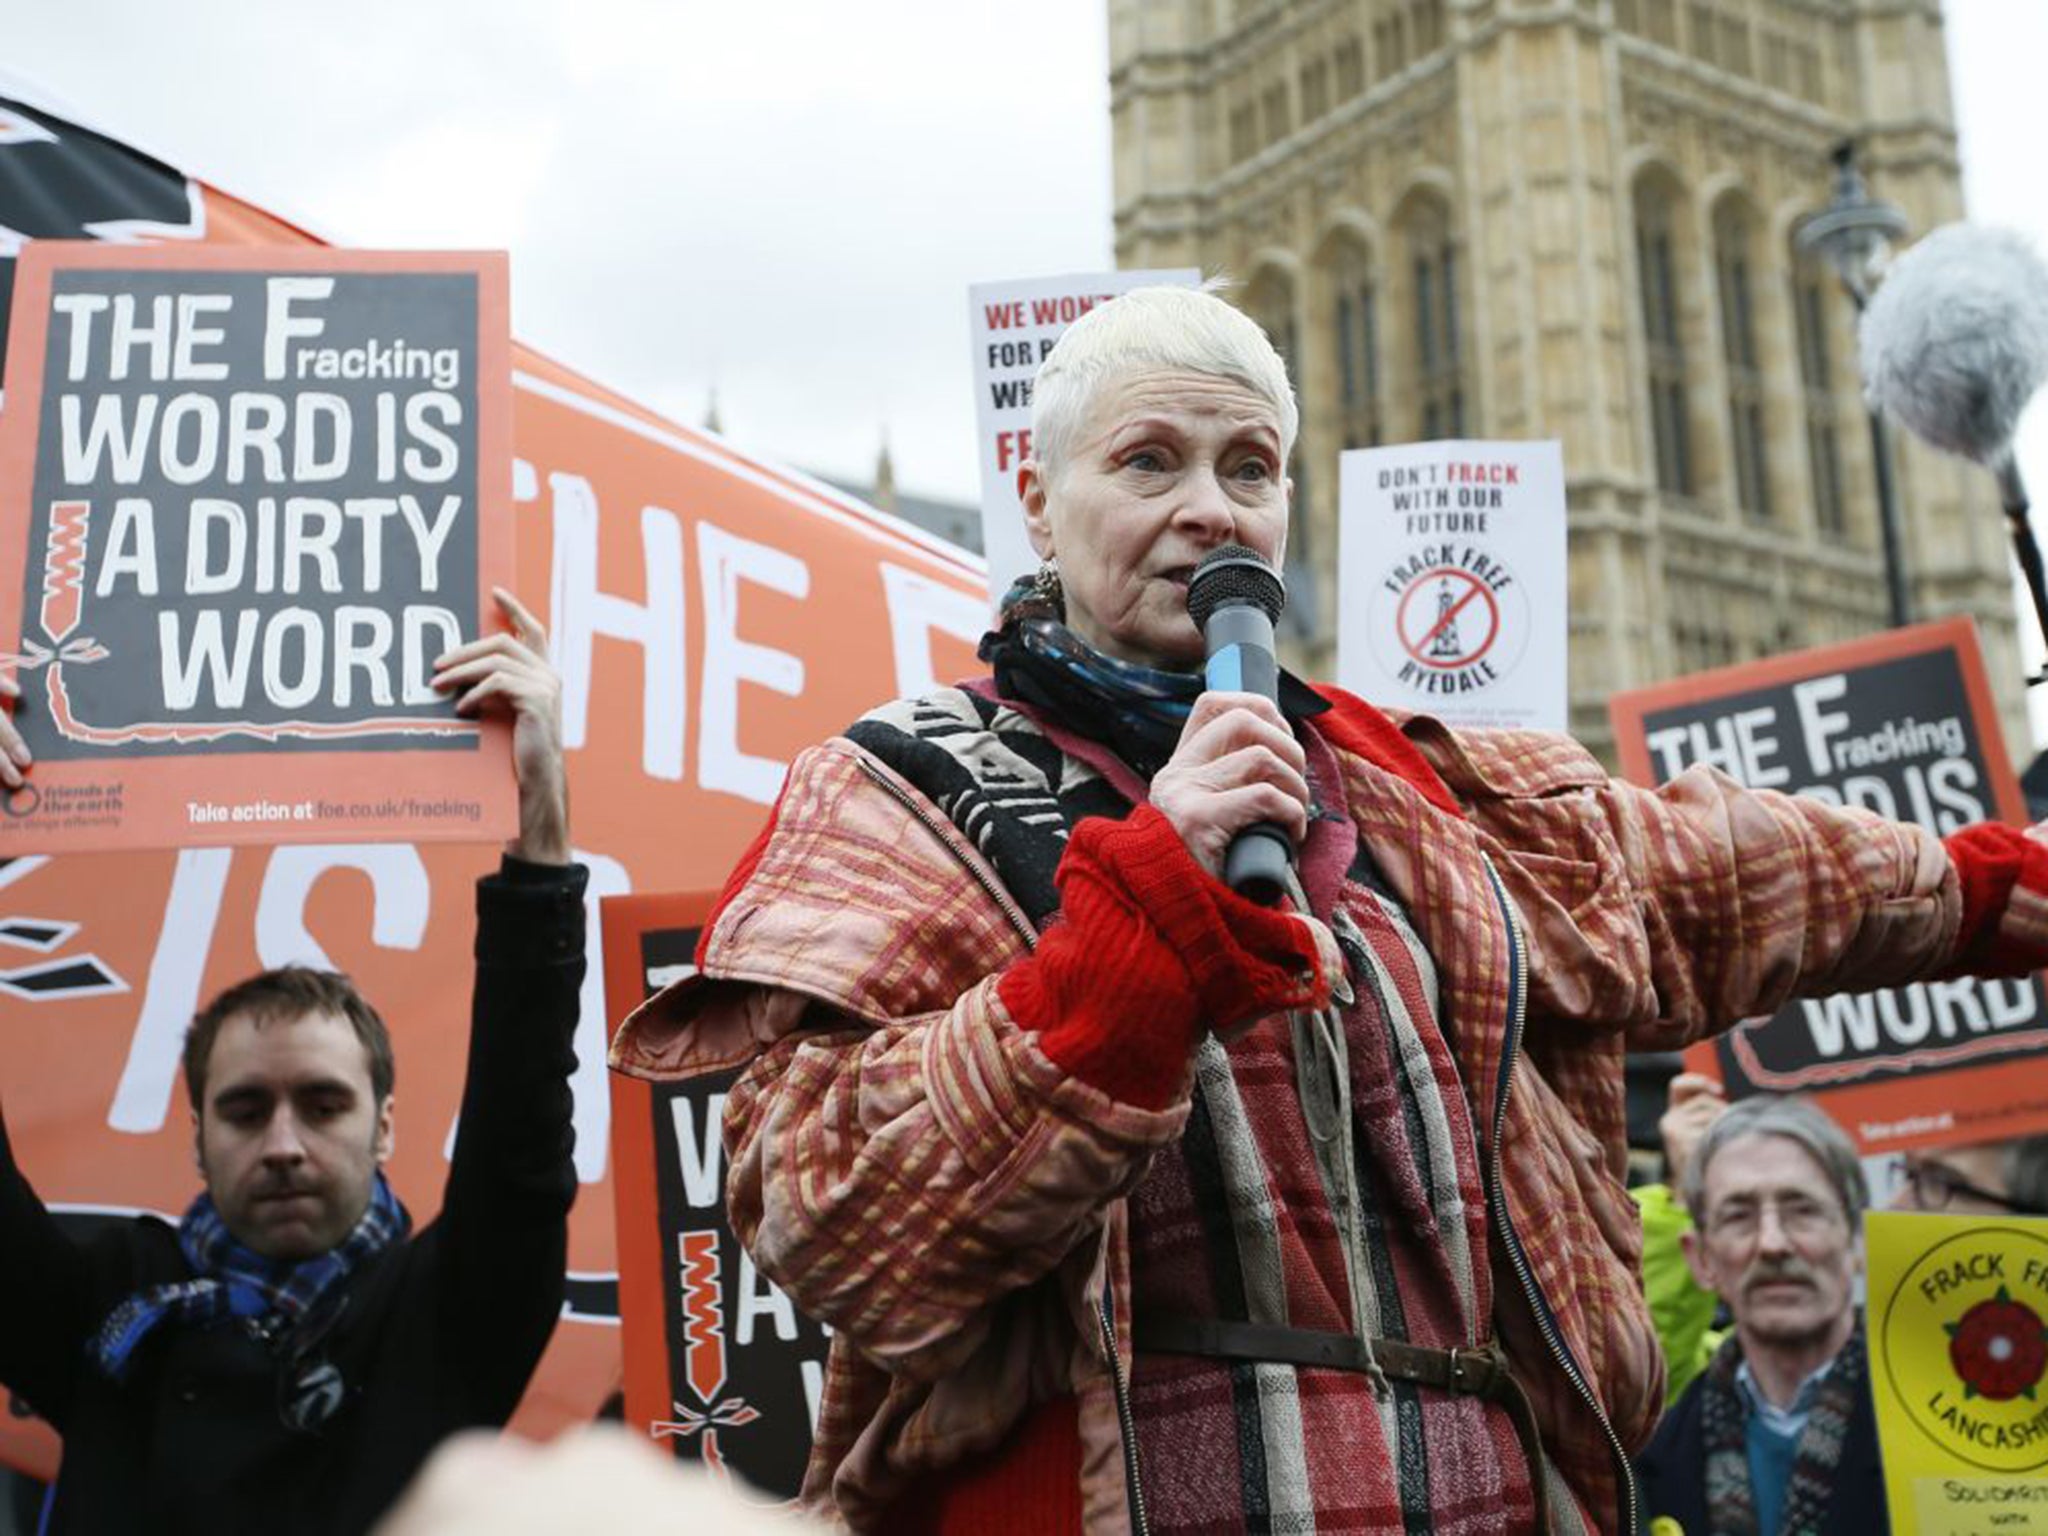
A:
233	1281
1731	1502
1273	1210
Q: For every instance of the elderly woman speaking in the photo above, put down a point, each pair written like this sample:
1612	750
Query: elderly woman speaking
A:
1137	1206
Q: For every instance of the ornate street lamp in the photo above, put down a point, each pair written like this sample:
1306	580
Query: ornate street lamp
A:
1854	235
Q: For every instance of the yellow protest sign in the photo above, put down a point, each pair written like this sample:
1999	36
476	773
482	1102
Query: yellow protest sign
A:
1958	1353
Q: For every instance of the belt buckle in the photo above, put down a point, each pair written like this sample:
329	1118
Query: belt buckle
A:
1469	1367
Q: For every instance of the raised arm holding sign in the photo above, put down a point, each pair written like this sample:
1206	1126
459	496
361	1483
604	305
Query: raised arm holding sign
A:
288	1354
247	497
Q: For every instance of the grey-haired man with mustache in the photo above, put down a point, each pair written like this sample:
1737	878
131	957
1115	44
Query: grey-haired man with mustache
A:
1777	1434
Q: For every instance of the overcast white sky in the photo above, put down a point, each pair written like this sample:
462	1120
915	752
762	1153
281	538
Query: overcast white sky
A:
784	200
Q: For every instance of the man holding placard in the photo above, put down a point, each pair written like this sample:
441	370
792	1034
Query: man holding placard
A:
286	1357
246	498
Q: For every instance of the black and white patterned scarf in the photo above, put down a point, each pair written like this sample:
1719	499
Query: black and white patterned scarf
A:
1139	712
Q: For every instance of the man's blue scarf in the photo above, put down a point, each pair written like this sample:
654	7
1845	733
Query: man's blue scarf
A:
232	1281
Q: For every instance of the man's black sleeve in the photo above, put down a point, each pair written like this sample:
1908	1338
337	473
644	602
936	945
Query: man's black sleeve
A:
503	1230
47	1295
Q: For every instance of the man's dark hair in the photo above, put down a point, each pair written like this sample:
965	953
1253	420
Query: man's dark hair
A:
284	996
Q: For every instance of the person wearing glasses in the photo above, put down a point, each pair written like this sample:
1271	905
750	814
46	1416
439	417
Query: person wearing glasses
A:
287	1356
1778	1432
1992	1178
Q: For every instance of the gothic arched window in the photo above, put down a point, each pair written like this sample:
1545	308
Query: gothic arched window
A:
1812	293
1734	276
1355	320
1436	321
1664	335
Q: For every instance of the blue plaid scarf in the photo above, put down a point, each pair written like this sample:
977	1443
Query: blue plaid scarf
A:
232	1281
1140	711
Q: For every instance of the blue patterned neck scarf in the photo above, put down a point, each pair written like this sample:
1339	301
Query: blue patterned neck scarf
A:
232	1281
1138	711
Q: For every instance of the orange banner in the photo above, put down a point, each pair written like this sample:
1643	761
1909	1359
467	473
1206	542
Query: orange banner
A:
710	615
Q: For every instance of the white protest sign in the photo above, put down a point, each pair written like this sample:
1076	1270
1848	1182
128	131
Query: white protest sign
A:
1453	575
1013	326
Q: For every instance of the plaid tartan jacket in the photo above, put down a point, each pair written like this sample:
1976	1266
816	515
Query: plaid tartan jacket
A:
909	1165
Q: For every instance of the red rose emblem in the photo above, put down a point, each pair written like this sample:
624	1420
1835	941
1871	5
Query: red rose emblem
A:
1999	1348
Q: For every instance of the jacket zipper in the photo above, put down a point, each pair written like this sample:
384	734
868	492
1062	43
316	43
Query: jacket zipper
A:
1546	1324
1126	1424
946	833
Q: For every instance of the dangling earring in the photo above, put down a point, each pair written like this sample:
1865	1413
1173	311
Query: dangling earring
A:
1045	585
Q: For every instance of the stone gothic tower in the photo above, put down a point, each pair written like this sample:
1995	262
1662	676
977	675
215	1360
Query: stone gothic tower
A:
1573	219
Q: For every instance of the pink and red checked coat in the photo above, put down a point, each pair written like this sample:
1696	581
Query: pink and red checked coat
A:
917	1172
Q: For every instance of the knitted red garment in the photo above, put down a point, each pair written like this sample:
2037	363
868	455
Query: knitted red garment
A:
1352	725
1150	951
1994	863
742	872
1028	1485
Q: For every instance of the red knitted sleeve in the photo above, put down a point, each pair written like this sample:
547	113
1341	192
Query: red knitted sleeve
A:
1149	951
2004	877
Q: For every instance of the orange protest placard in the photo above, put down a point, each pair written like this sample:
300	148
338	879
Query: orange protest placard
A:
710	613
1902	724
247	495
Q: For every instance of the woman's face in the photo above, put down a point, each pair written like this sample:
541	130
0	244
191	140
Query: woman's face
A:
1169	466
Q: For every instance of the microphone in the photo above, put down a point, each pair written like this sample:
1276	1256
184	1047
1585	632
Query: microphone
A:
1955	340
1234	597
1955	344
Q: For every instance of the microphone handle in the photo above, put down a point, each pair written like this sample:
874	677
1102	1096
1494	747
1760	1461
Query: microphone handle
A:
1258	862
1239	640
1240	647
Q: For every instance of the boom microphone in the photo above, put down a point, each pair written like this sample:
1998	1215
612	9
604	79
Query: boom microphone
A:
1234	597
1955	341
1954	345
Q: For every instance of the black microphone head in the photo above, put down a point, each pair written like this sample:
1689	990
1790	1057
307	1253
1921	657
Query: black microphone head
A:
1234	576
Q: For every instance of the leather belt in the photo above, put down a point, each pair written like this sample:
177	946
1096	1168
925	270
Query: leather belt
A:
1480	1371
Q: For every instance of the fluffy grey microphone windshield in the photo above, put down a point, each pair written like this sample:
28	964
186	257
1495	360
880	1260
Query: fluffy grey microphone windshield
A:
1956	340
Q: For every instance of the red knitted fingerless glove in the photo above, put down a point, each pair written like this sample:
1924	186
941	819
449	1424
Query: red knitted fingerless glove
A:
2004	878
1150	950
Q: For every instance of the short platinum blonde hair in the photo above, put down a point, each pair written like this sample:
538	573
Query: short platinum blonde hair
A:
1799	1121
1152	330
